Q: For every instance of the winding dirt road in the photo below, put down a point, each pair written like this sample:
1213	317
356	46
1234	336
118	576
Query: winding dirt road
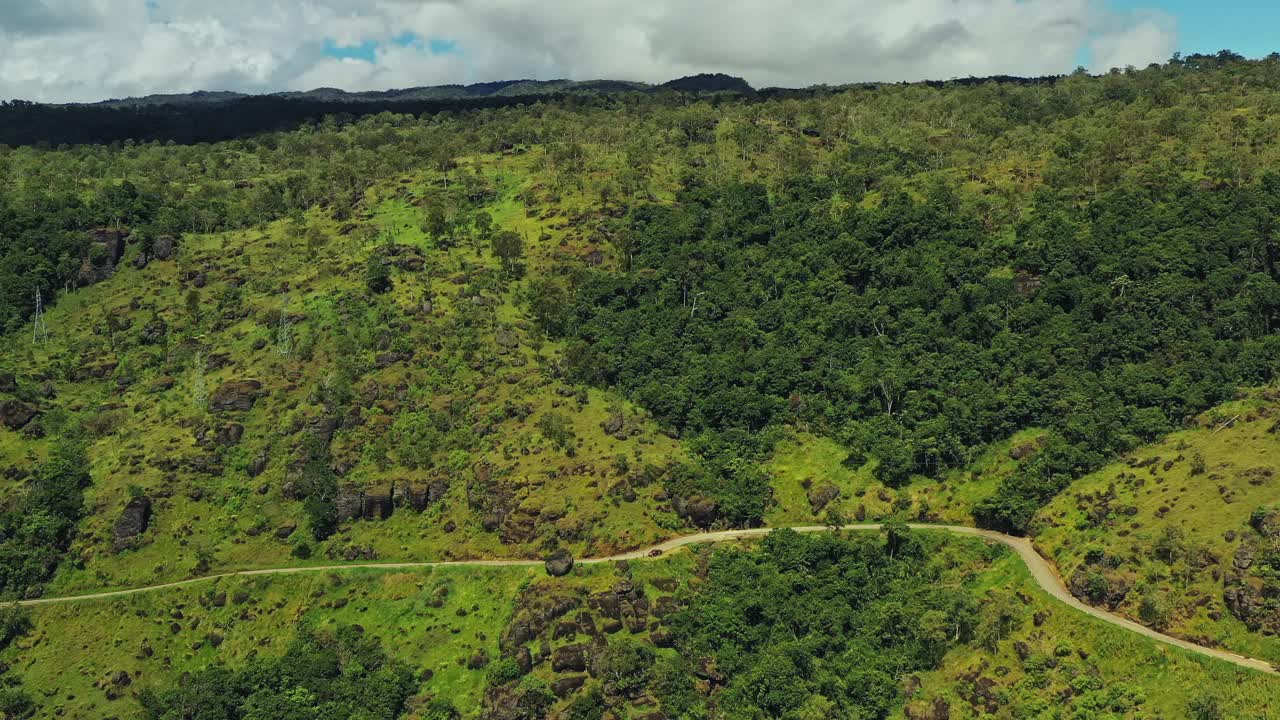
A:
1045	576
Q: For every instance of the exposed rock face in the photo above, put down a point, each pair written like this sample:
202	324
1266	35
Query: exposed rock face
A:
230	434
15	414
322	429
258	464
524	660
235	395
559	564
350	504
8	382
153	332
537	609
1245	600
133	521
404	495
377	504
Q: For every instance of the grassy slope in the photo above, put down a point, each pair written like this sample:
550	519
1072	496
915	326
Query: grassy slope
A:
66	662
1242	464
1101	671
806	458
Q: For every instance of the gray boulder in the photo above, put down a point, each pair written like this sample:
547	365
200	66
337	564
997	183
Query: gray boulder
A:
133	521
559	564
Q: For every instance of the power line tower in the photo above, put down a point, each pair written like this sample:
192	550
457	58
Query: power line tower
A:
284	333
40	331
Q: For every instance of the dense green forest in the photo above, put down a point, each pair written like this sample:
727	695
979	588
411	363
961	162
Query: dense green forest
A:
577	325
918	339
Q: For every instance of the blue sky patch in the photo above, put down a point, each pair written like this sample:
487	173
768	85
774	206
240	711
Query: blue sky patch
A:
366	51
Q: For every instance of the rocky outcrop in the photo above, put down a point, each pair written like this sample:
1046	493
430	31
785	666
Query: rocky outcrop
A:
1245	600
699	510
106	246
404	495
15	414
133	521
8	382
235	396
537	608
614	424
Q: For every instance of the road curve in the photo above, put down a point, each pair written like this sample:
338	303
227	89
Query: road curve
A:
1043	572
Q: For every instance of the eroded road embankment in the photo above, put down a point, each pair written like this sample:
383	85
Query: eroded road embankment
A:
1045	576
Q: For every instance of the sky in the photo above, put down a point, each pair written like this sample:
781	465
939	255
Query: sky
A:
87	50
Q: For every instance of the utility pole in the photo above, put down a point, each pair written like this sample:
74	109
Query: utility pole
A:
40	331
284	336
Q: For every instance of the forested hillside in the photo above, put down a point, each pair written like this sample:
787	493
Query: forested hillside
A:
580	326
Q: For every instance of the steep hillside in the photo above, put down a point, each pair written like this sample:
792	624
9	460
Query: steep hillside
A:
1183	535
255	394
579	327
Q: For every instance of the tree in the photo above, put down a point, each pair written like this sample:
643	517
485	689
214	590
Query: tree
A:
897	535
509	247
193	306
434	224
555	427
377	276
624	666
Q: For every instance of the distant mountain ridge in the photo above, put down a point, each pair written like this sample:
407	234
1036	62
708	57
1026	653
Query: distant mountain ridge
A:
704	83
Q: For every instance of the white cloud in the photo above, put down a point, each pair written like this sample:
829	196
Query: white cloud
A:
60	50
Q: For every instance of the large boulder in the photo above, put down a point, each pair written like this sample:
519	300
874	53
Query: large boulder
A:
15	414
569	658
162	247
8	382
566	686
821	496
133	521
322	429
235	395
559	564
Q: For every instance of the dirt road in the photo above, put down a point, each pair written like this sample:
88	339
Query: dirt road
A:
1044	573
